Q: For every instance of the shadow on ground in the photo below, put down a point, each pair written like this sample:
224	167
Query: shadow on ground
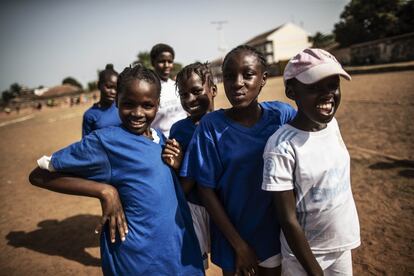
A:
406	167
67	238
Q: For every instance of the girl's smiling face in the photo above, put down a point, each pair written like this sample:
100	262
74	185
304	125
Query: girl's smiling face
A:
138	104
317	103
196	97
243	78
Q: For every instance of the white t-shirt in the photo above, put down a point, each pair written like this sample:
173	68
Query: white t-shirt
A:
170	110
316	165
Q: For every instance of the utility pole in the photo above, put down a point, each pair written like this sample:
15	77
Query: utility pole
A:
222	47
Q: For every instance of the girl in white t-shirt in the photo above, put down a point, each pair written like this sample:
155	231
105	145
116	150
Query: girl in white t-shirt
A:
170	110
307	167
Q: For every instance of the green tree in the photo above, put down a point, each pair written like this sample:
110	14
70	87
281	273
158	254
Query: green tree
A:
92	85
177	67
15	89
72	81
145	59
365	20
6	96
320	40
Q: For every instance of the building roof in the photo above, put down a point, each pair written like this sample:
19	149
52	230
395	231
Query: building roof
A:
61	90
262	37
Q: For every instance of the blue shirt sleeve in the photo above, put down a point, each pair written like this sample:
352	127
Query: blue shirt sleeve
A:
202	160
86	125
287	113
86	158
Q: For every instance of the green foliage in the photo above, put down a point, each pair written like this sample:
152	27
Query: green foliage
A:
177	67
15	88
6	96
14	91
145	59
72	81
92	85
320	40
365	20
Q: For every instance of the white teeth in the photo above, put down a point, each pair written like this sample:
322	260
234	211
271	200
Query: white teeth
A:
324	106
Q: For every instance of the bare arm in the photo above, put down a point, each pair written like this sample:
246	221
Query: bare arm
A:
286	212
246	260
187	184
108	195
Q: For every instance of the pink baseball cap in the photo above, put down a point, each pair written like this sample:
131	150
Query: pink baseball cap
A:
311	65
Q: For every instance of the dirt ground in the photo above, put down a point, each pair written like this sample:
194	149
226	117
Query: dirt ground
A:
46	233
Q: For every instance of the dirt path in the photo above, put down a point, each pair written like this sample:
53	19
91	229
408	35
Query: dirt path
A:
45	233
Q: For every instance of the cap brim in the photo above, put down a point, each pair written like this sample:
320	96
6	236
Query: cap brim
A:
320	72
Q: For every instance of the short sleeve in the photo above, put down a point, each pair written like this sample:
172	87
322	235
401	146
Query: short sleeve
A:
279	166
86	158
287	114
86	125
201	161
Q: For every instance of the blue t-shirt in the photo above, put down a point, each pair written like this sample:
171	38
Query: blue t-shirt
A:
227	157
97	117
183	131
161	238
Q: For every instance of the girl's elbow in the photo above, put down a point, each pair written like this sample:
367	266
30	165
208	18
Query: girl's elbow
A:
35	177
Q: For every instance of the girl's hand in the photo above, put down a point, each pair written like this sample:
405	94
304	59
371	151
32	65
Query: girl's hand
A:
172	154
113	212
246	261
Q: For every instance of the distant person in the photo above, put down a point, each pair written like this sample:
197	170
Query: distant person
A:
197	90
307	169
170	111
103	113
156	236
224	158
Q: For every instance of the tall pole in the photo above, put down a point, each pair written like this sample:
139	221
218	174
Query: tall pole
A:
222	47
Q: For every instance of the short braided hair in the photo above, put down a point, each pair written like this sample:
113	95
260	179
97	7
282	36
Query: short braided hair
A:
200	69
138	72
244	47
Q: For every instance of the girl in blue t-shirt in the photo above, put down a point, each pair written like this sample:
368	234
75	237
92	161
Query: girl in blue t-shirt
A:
225	159
156	234
197	90
103	113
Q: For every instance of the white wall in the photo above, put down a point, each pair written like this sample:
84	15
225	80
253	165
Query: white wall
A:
288	41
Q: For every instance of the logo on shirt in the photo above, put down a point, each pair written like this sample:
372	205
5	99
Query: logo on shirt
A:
269	167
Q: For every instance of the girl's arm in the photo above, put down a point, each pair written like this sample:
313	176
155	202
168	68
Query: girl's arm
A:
187	184
246	260
108	195
286	211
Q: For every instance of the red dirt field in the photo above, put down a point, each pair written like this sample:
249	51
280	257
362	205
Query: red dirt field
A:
46	233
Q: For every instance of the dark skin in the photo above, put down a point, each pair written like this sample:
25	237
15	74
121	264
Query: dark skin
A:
112	211
317	104
197	99
107	87
244	77
163	64
137	107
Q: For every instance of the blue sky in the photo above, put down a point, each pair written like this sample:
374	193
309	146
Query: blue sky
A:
44	41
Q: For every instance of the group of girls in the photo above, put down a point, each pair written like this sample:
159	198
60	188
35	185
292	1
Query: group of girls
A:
168	202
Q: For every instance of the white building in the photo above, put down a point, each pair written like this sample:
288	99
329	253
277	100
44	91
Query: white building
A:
278	45
281	43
